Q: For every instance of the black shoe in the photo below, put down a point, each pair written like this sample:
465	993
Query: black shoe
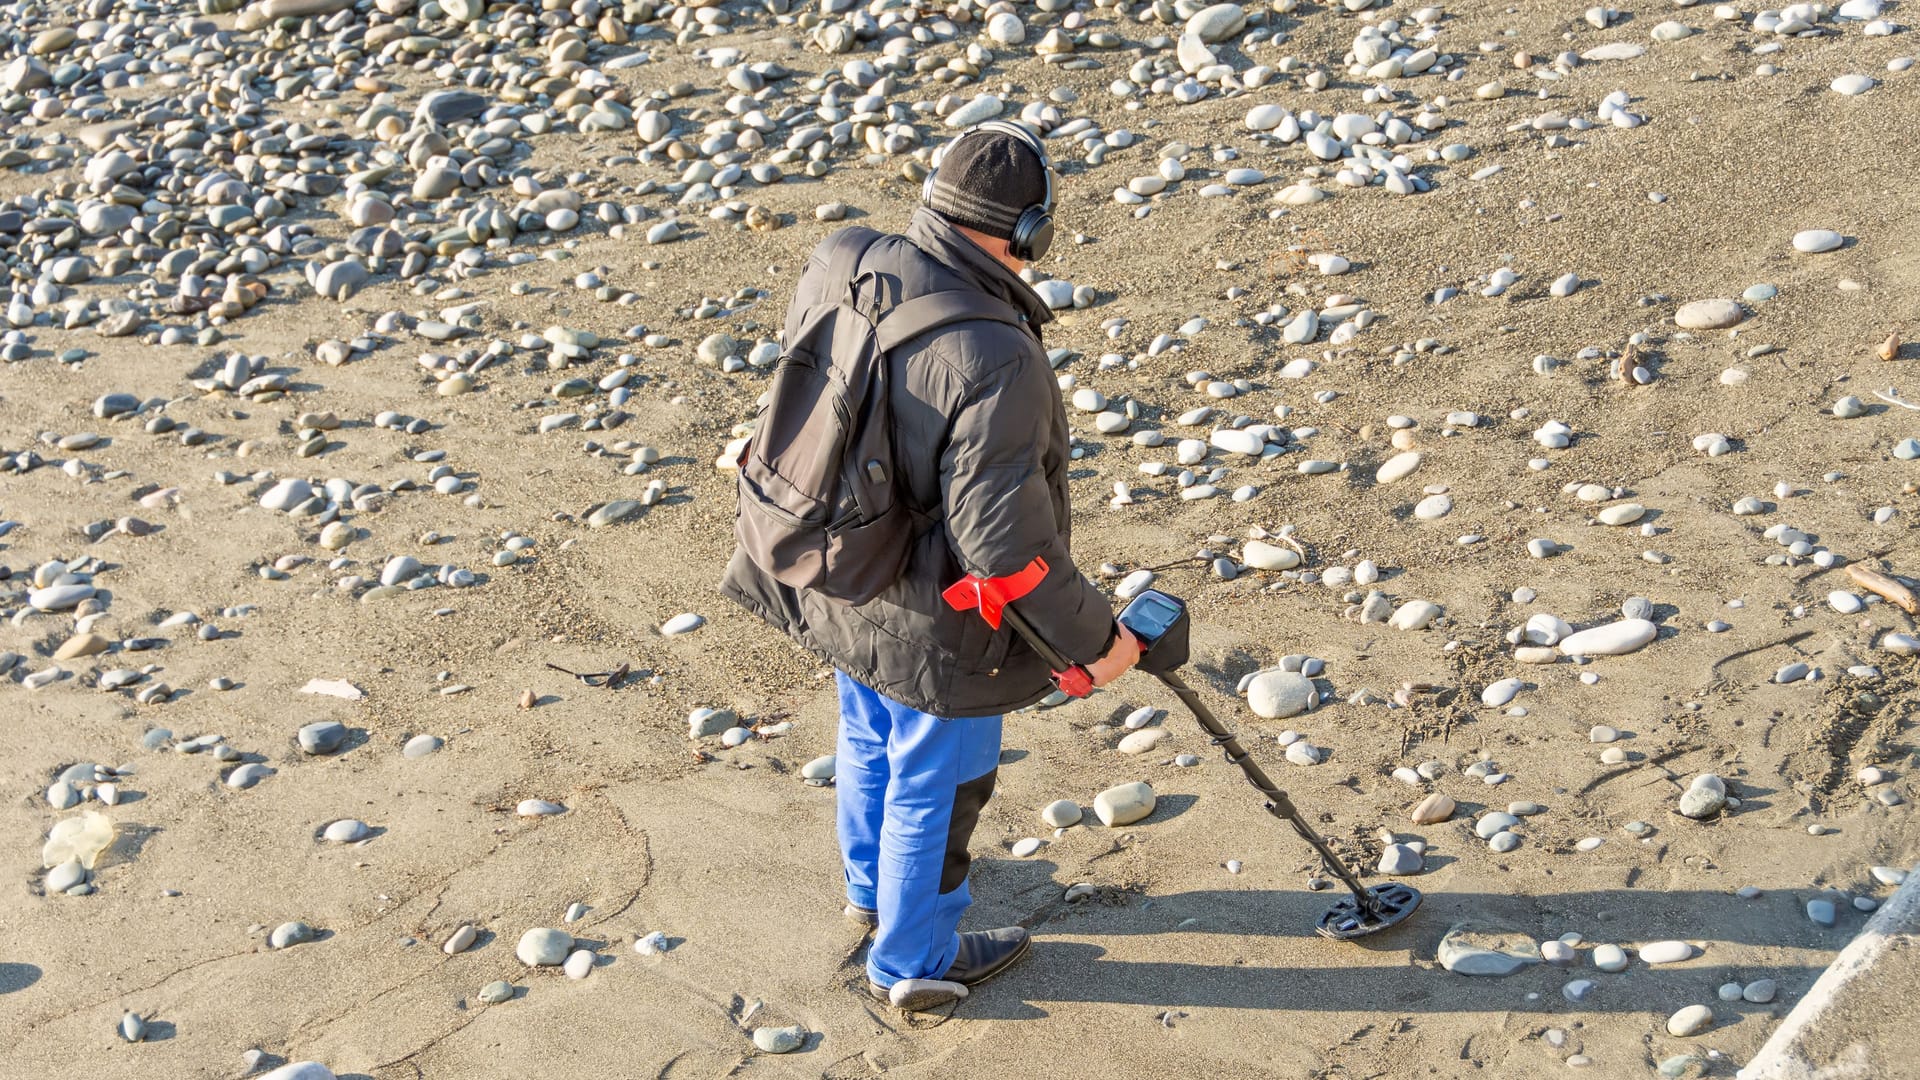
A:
865	916
986	953
983	954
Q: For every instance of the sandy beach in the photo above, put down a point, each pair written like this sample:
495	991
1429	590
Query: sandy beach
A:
1170	964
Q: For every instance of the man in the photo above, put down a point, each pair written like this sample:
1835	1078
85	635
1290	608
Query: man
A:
980	446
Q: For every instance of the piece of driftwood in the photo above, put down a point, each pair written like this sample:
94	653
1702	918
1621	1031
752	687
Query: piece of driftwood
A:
1888	589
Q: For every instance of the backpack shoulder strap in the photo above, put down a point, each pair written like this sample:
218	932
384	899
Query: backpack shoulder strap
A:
911	318
844	250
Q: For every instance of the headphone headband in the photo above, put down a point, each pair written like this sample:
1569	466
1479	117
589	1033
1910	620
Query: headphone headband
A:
1033	231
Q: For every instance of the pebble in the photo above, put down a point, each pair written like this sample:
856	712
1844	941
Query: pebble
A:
543	947
1610	639
579	963
1435	808
779	1040
1689	1021
346	831
1813	241
1399	859
460	940
1277	695
684	623
1717	314
1061	813
322	737
289	934
1124	804
1704	798
496	992
1666	952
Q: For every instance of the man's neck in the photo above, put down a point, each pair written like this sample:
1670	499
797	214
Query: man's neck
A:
993	246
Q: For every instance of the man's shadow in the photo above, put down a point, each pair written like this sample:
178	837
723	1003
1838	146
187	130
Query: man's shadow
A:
1360	975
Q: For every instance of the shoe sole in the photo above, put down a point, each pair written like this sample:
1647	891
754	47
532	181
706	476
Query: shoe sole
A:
859	917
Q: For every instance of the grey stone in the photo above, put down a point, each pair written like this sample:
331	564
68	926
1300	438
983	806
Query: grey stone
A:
1472	948
779	1040
1400	859
289	934
543	947
322	736
1277	695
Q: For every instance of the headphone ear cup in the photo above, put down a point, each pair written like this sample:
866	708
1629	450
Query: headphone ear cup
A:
1032	234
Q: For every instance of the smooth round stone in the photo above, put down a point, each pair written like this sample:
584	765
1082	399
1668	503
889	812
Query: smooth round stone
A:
1759	991
346	831
1814	241
1433	507
579	964
543	947
1610	639
1715	314
1504	842
495	992
1729	992
1264	556
1500	693
1558	953
322	737
1705	797
538	808
1852	85
1621	514
1061	813
820	768
1277	695
1025	847
1400	859
1666	952
684	623
1760	294
1142	741
1691	1020
1822	912
1124	804
460	940
65	876
248	775
1493	824
289	934
421	746
1578	991
779	1040
1433	809
1610	958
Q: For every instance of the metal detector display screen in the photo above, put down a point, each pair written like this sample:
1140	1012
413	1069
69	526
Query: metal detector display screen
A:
1151	615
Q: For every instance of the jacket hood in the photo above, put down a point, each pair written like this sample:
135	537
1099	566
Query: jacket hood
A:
945	243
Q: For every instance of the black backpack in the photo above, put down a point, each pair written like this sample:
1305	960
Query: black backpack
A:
818	507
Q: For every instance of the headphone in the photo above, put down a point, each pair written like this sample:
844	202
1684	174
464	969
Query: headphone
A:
1033	229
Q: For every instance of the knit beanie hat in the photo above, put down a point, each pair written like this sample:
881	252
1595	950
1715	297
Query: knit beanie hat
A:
985	180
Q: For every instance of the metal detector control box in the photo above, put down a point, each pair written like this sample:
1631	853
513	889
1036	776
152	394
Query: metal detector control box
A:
1160	622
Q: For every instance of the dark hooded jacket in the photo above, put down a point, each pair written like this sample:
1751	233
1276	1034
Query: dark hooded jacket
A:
980	445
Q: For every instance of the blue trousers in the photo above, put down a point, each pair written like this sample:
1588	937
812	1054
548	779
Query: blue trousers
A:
910	788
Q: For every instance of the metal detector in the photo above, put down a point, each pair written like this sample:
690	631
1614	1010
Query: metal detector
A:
1160	622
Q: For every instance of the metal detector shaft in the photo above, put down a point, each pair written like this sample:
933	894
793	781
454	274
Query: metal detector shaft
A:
1277	802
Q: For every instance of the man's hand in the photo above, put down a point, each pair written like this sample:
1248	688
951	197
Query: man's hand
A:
1123	655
